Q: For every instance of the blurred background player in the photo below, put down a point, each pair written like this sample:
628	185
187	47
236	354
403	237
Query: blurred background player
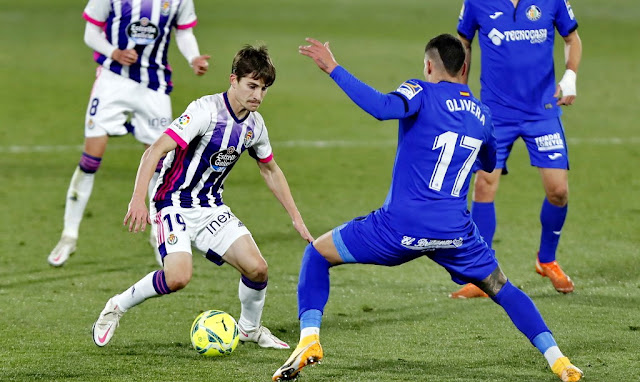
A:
131	91
442	130
187	208
518	84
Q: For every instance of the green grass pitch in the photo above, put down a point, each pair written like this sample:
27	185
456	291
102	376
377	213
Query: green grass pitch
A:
381	324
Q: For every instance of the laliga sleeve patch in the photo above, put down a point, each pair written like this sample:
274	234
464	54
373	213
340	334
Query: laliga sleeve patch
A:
183	121
409	89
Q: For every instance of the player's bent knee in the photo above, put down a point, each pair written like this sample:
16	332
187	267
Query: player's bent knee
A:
493	283
177	282
258	273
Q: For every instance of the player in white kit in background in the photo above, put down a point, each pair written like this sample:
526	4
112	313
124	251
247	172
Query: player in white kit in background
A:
131	91
202	146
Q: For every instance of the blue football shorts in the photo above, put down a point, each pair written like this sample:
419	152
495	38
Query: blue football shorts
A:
369	240
545	141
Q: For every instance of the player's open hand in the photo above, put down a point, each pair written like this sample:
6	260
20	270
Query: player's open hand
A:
137	216
320	53
302	230
125	57
200	64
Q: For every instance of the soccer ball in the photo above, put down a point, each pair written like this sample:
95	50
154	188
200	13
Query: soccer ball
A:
214	333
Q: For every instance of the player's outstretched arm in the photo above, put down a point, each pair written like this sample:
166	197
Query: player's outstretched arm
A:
137	216
566	88
277	183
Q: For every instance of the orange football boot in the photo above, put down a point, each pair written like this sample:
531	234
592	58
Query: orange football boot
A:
559	279
468	291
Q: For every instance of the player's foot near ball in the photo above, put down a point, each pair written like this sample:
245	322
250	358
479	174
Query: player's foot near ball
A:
107	323
263	337
60	254
559	279
307	353
566	371
468	291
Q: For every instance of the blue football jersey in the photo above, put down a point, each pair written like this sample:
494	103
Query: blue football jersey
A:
444	130
517	73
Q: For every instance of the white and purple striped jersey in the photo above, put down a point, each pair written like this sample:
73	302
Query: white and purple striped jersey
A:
210	141
143	25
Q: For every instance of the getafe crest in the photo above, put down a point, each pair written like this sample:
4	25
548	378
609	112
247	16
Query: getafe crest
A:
534	13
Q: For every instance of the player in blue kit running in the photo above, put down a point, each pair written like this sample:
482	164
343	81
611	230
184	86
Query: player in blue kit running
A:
517	80
443	129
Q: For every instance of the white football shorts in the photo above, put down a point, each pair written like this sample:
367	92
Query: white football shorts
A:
211	230
115	100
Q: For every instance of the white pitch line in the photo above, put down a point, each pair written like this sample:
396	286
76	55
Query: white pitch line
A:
25	149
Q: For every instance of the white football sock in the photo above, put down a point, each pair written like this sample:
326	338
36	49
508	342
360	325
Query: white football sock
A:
137	293
552	354
252	302
77	197
309	331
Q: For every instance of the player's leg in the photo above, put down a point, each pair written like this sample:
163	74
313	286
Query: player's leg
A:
552	217
175	227
313	295
77	197
245	256
151	117
363	240
223	238
475	261
104	117
175	276
547	150
525	316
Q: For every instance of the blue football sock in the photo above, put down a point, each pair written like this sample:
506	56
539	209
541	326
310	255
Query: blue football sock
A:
484	215
521	310
313	286
552	219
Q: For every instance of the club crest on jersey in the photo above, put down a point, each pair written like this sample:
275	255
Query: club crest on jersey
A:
223	159
172	239
409	89
534	13
143	31
248	138
165	8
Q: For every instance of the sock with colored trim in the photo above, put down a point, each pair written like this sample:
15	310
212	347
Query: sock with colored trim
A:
252	296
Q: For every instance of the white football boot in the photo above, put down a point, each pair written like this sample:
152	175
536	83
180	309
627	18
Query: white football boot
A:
107	323
65	247
263	337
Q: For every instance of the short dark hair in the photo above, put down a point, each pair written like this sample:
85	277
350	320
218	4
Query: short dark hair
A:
450	50
254	62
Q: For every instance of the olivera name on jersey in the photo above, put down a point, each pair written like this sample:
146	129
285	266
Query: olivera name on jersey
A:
455	105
